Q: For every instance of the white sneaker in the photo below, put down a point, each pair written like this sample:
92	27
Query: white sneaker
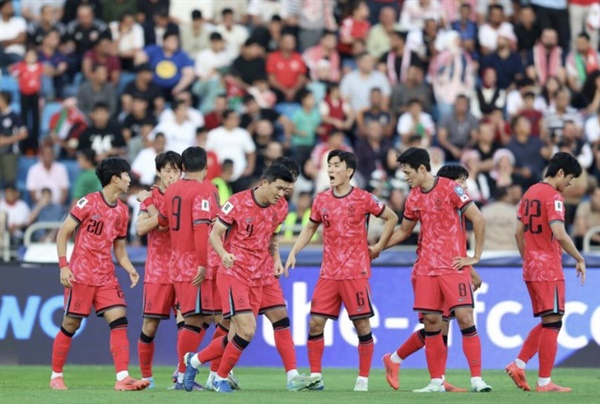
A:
479	386
361	385
431	388
209	383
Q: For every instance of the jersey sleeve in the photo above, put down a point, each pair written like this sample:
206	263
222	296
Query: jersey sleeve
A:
82	209
373	205
410	212
228	212
520	211
315	212
201	210
123	224
555	208
459	198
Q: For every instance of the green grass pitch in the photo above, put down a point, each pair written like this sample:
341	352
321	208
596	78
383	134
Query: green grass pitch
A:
94	384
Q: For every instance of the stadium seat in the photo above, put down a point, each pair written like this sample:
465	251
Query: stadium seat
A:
25	164
10	84
50	109
287	108
125	79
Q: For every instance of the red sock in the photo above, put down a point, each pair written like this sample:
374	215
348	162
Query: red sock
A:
445	355
316	346
119	345
434	351
220	332
531	344
214	351
415	342
366	347
60	349
548	347
232	354
285	344
188	341
472	350
145	354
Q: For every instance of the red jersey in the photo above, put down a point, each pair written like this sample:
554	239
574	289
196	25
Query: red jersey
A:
214	261
442	236
159	246
251	227
186	204
540	206
287	71
352	29
100	224
345	220
29	77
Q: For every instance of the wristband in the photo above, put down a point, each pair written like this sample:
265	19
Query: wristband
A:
148	201
62	262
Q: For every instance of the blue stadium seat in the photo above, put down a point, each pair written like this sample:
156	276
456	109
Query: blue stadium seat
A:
50	109
25	164
10	84
73	170
125	79
287	108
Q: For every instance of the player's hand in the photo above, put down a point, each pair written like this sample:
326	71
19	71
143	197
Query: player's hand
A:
143	195
228	259
475	279
199	276
459	262
280	270
290	262
374	251
135	278
66	277
580	268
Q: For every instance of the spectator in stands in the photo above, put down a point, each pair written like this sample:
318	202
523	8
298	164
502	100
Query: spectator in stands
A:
500	215
306	120
326	49
375	153
580	62
486	147
527	30
553	14
101	54
157	28
128	37
195	34
286	70
415	122
137	125
267	154
504	61
192	114
45	210
503	171
356	86
71	9
11	133
458	130
426	42
268	37
173	68
180	132
415	87
592	129
549	92
214	118
467	29
573	142
254	113
147	8
528	152
87	181
396	62
310	19
488	96
48	173
17	212
591	92
559	113
489	32
55	66
316	168
378	40
104	136
376	111
13	35
145	87
298	216
48	21
336	114
532	114
142	166
97	90
416	12
514	99
249	65
355	27
117	9
209	66
545	58
234	34
477	184
82	34
587	217
213	168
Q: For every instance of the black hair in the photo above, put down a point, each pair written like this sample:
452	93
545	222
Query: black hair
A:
347	157
495	7
290	164
110	167
159	134
303	94
196	15
168	158
100	105
226	11
228	112
277	172
525	82
583	34
215	36
415	101
89	155
247	98
169	33
6	96
176	104
97	66
415	157
227	163
563	161
376	90
194	159
201	129
529	94
453	172
500	193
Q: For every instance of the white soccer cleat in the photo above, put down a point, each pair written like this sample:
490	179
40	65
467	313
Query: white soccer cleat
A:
479	386
208	386
431	388
361	385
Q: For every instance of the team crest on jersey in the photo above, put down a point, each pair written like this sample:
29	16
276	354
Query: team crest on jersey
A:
81	203
227	208
459	190
558	206
438	204
205	205
351	210
249	220
377	201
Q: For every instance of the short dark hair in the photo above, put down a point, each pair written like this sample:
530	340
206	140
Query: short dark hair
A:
228	112
566	162
290	164
415	157
584	34
215	36
500	193
196	15
169	33
453	172
247	98
226	11
277	172
194	159
6	96
176	104
110	167
168	158
89	155
100	105
345	156
495	7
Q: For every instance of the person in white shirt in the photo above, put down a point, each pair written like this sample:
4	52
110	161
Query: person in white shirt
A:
47	173
180	133
141	167
415	122
415	12
16	210
192	113
591	129
128	36
234	34
488	32
13	34
356	86
230	142
210	60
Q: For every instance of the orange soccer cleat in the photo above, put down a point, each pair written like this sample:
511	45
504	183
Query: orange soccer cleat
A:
552	388
453	389
391	371
58	383
131	384
517	375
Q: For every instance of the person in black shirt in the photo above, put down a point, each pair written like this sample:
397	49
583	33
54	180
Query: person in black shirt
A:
103	136
147	8
156	27
71	7
143	86
255	114
11	133
37	30
526	30
250	65
138	124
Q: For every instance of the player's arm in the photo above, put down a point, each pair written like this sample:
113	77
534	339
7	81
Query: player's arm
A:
200	237
63	236
120	251
304	238
520	238
473	214
475	279
402	233
216	240
151	221
274	252
146	223
561	235
391	220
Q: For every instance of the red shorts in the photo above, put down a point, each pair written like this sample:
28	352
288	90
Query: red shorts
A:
329	294
442	294
547	297
159	300
272	297
193	300
80	298
217	307
238	297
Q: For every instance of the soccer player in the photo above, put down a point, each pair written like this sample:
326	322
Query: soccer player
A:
439	280
540	236
187	213
89	279
249	220
344	212
159	295
416	341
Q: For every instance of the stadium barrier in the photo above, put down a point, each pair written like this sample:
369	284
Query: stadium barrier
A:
32	301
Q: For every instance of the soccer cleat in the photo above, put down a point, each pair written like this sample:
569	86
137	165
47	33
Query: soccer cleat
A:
316	383
361	385
131	384
480	387
552	388
174	376
391	371
453	389
151	380
190	372
222	386
431	388
233	381
58	383
179	386
298	382
209	382
517	375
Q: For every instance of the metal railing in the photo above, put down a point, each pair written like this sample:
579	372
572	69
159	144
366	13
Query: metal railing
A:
38	226
587	240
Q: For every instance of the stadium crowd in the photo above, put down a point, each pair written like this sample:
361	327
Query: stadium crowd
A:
498	86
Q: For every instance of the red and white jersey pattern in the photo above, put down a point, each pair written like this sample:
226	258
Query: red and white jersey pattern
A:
345	220
251	227
159	246
100	224
541	205
442	236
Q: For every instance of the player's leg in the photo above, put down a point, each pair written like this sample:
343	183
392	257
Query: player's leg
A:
366	347
450	388
145	347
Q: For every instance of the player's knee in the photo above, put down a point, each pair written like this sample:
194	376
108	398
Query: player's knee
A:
149	327
316	325
362	326
71	324
118	323
464	318
246	332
